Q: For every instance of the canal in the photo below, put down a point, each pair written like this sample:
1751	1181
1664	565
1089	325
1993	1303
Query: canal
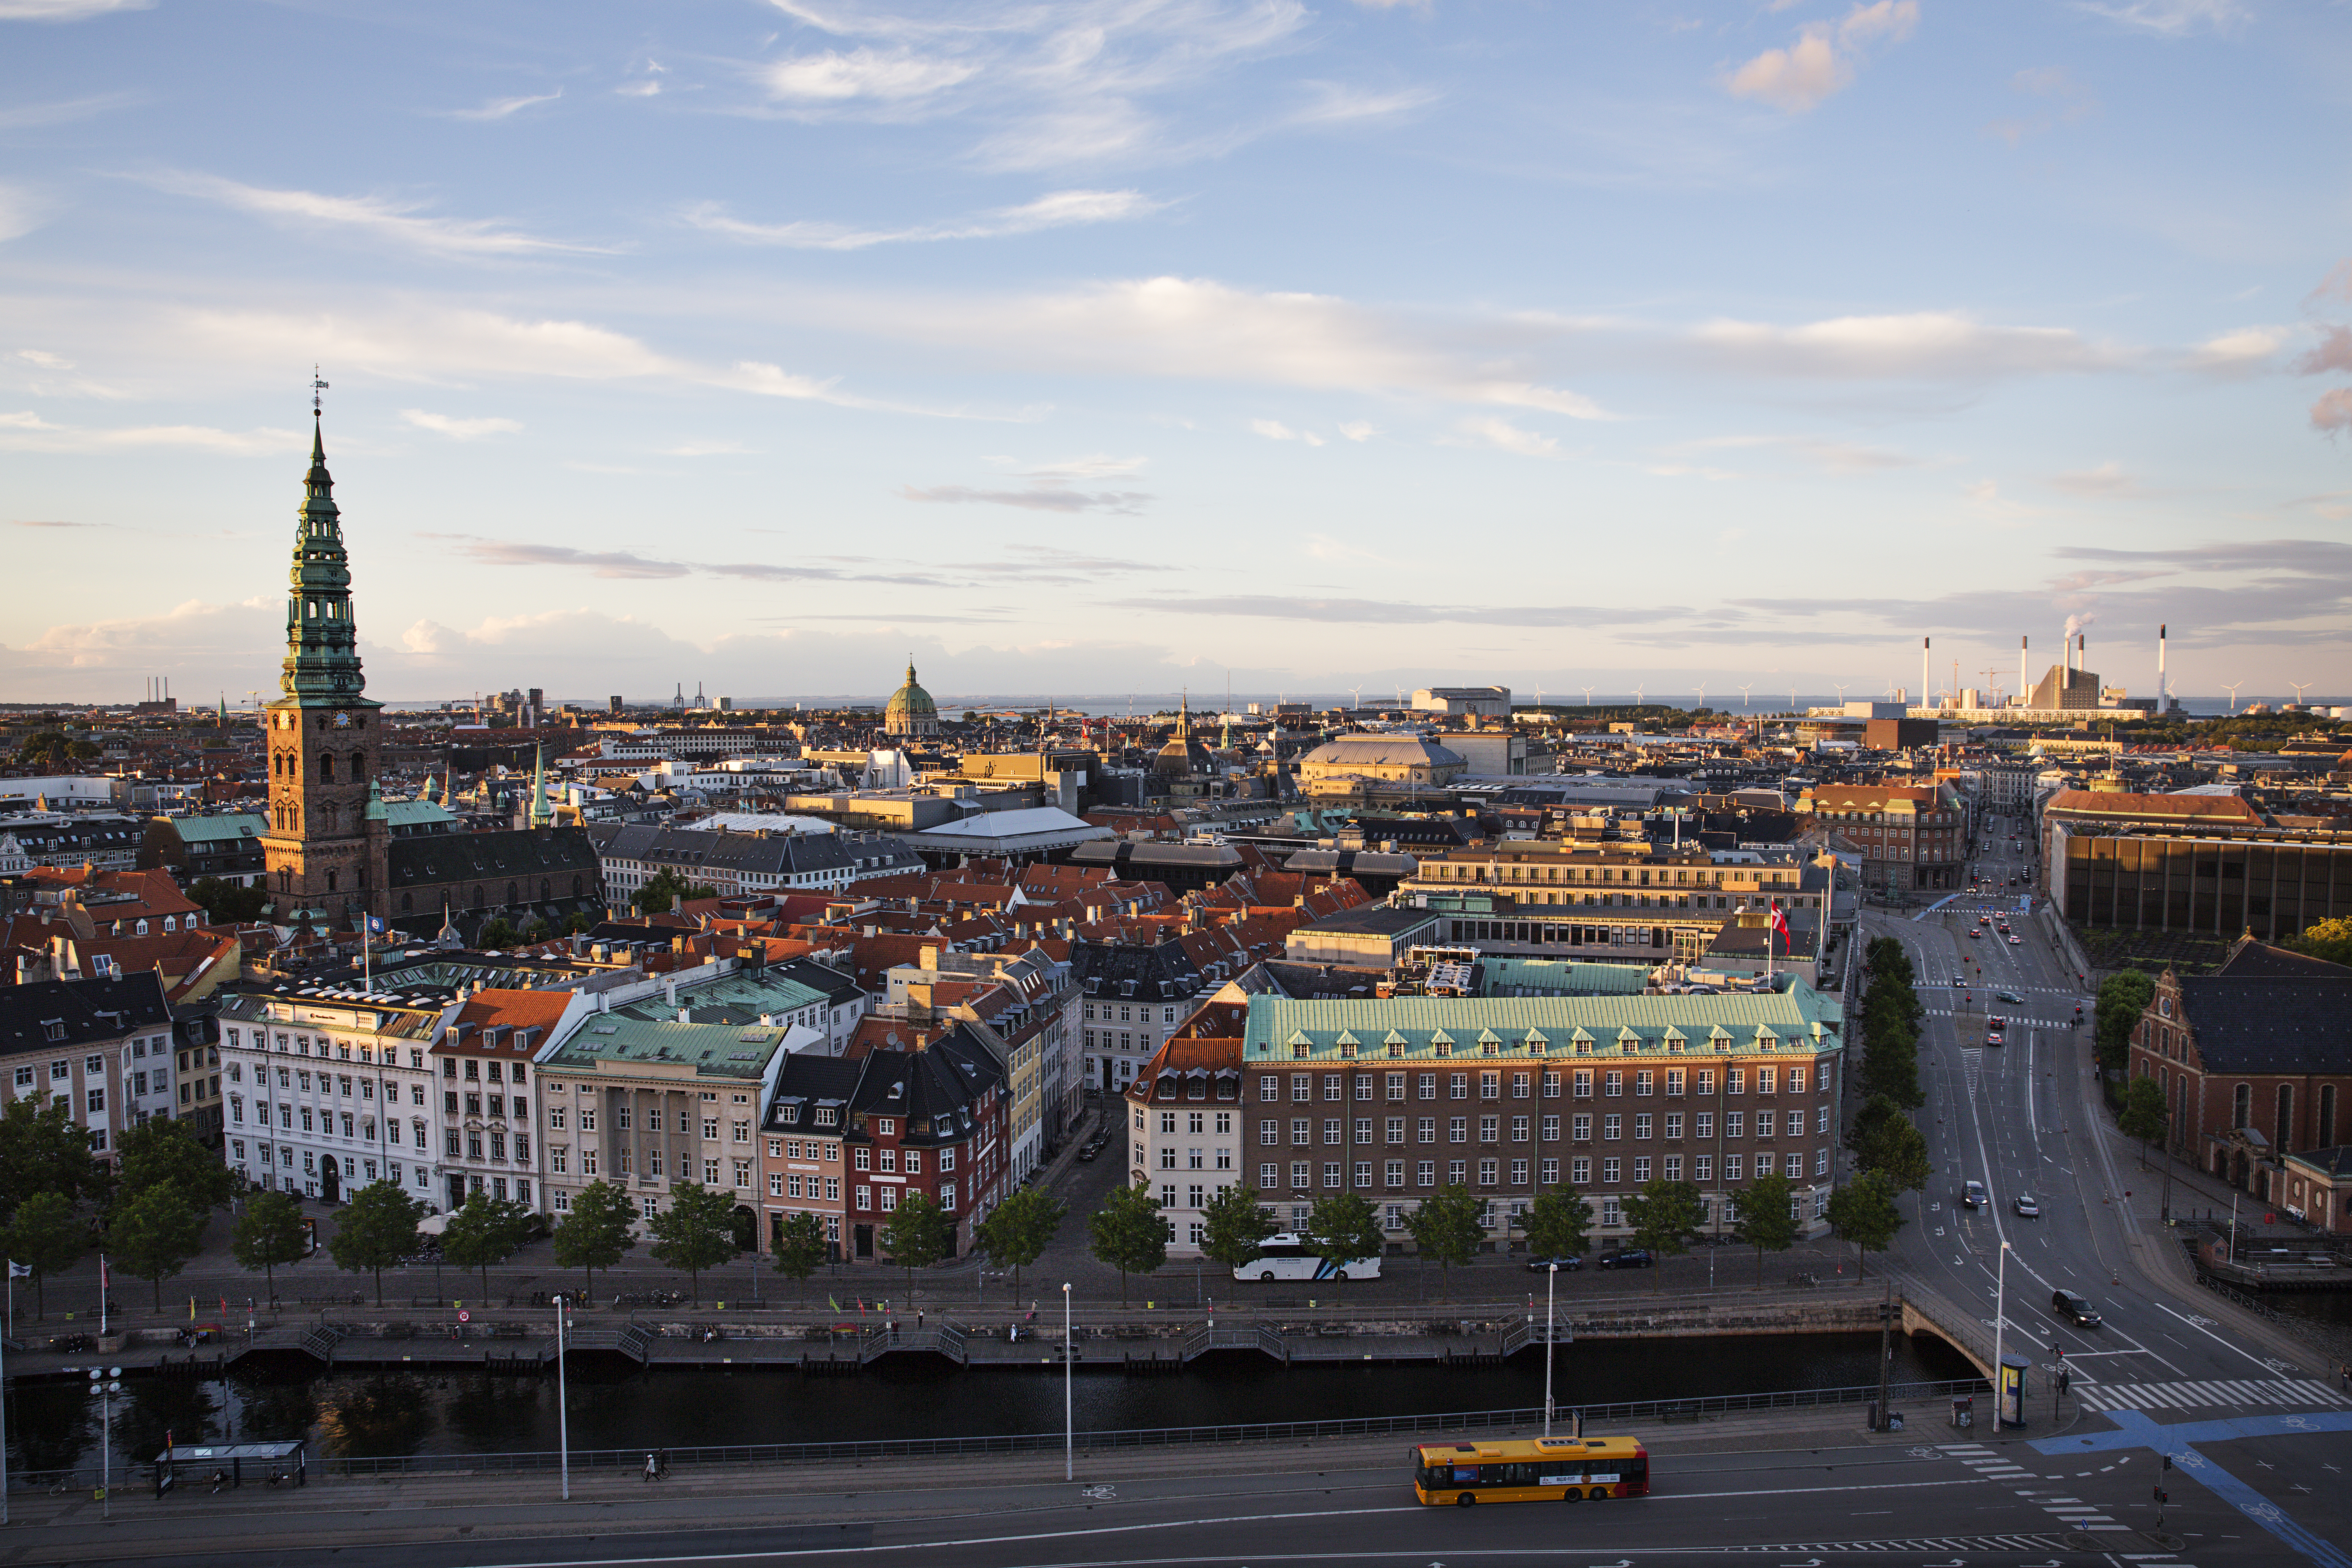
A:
54	1425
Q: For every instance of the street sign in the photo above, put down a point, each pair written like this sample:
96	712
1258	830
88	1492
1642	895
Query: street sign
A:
465	1317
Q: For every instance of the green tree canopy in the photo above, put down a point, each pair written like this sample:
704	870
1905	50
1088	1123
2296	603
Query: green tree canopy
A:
161	1150
376	1229
1235	1225
1559	1223
665	890
154	1234
1664	1215
268	1233
1448	1226
1018	1230
484	1231
2144	1114
1343	1228
1863	1212
918	1235
2122	997
800	1246
228	902
47	1237
1764	1217
696	1232
44	1150
596	1232
1885	1141
1128	1233
497	932
2330	939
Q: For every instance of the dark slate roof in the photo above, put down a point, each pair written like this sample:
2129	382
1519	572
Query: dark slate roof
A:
1162	973
2298	1025
88	1010
754	854
806	1079
935	1085
839	989
2261	960
439	858
1377	918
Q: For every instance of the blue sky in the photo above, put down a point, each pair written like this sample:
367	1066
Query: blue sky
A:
1090	346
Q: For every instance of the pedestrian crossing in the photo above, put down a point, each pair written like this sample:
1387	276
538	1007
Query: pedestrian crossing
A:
2208	1392
2014	1021
2072	1513
1952	1543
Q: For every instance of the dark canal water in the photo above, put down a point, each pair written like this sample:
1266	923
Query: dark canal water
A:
51	1426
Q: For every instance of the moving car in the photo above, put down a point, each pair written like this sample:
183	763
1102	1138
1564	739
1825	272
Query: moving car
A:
1972	1195
1975	931
2075	1308
1996	1024
1995	1037
2008	996
1626	1258
1543	1265
2017	941
2024	1204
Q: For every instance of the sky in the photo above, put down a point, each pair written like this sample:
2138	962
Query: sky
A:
1088	347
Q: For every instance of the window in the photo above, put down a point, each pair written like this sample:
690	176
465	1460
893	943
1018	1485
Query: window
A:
1702	1167
1580	1172
1611	1170
1674	1124
1518	1129
1612	1127
1703	1124
1425	1085
1642	1127
1490	1128
1731	1167
1457	1129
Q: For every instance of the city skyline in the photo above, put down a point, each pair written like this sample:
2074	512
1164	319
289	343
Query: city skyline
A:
1083	349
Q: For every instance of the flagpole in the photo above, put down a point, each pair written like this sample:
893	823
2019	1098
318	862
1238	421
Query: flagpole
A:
101	1294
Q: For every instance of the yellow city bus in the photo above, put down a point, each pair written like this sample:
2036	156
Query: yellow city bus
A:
1540	1470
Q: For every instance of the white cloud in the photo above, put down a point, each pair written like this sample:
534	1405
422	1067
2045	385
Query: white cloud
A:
28	432
1336	103
1057	209
191	627
458	429
2238	352
20	213
500	108
2107	481
1274	430
65	111
1821	61
1940	345
890	75
371	215
65	10
1505	437
45	359
2171	18
1357	431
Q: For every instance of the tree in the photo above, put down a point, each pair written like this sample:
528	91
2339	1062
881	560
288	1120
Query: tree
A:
1863	1212
596	1232
1343	1228
2330	939
46	1237
1018	1230
495	932
1764	1217
1128	1233
1559	1223
378	1228
1885	1140
482	1232
228	902
2122	997
160	1150
1448	1225
800	1246
268	1233
920	1233
1234	1227
695	1233
666	889
2144	1114
1664	1215
154	1234
44	1150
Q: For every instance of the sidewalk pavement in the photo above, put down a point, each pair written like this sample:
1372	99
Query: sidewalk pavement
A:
502	1504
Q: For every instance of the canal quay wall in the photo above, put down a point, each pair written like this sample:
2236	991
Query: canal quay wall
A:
519	1339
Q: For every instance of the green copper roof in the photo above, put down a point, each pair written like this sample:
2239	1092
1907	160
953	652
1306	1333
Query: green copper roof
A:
1797	1019
323	663
712	1051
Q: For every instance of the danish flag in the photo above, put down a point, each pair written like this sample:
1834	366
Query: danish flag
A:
1781	924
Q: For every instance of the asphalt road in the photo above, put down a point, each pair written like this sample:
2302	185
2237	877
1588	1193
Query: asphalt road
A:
1929	1505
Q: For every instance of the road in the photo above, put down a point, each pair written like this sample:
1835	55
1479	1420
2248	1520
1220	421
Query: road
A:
1939	1505
2024	1118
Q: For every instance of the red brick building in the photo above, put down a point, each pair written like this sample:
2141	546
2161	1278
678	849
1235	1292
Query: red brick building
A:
2254	1061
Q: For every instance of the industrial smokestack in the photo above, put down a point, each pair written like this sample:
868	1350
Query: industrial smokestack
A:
1924	688
2162	690
2024	676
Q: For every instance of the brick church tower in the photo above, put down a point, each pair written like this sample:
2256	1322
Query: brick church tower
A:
326	848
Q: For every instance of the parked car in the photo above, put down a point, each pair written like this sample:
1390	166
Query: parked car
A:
1567	1265
1626	1258
2075	1308
1973	1196
2026	1205
1089	1151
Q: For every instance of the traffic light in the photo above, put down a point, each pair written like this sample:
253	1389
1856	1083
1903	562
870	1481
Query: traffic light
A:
2162	1497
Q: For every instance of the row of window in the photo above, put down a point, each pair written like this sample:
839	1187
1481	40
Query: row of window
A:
1612	1083
1470	871
1337	1175
1769	1124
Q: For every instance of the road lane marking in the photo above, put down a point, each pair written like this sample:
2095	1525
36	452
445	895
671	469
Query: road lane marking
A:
2210	1335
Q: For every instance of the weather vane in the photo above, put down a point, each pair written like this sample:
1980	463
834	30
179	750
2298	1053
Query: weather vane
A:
317	386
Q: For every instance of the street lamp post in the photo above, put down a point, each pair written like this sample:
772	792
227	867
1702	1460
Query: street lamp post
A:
105	1384
1552	1285
1069	1419
1999	1307
563	1403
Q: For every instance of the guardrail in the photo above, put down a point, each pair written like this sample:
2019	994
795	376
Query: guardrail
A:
1148	1437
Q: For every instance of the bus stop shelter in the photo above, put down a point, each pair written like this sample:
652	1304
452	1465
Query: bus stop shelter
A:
283	1461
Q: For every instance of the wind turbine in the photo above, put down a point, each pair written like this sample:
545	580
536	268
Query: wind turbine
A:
2300	688
1588	697
1702	695
1744	691
1356	694
2231	687
1637	697
1840	686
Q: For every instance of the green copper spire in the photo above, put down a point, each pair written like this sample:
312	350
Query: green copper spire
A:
323	664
